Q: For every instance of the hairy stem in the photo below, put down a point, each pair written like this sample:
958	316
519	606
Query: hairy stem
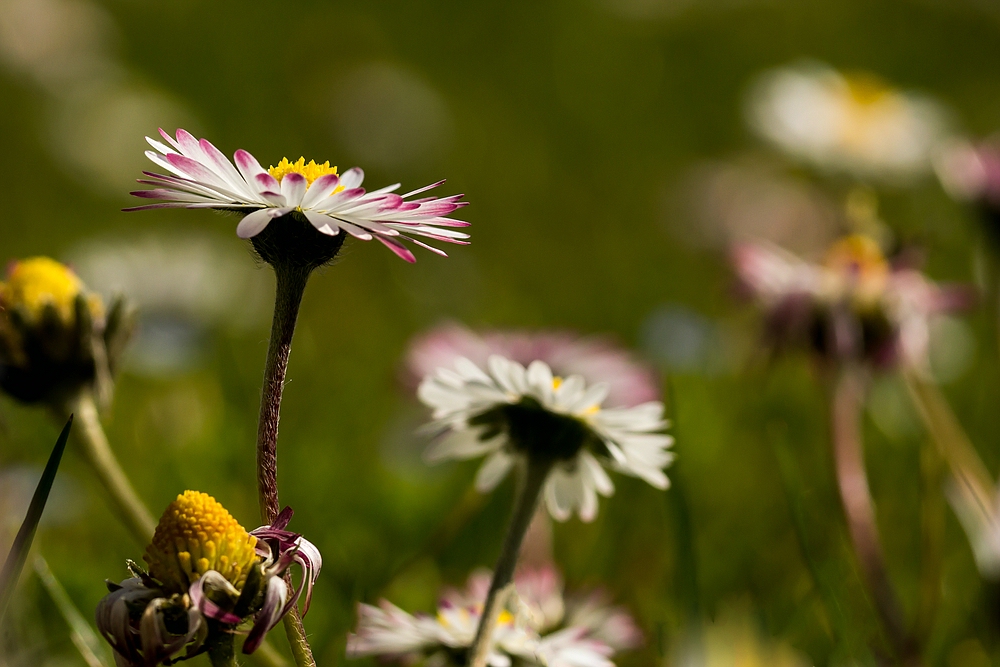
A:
534	474
859	510
290	286
93	443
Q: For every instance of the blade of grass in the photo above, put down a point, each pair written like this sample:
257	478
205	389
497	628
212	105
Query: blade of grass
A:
83	636
22	542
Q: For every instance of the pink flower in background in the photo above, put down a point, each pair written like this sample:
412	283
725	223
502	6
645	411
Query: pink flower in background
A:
852	305
630	381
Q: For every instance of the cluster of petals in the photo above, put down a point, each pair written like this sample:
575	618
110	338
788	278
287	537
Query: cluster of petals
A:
200	176
630	382
146	640
791	290
631	437
542	627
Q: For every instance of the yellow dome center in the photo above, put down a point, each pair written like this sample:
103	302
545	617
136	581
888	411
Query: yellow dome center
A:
196	534
33	284
311	171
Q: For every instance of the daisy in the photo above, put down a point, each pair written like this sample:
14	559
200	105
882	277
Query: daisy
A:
853	123
853	304
207	577
508	413
525	635
630	382
200	176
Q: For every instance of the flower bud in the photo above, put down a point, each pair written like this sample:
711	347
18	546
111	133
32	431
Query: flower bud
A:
55	337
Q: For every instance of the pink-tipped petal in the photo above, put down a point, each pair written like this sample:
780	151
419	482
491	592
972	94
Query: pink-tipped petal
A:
248	165
254	223
320	189
170	140
423	189
293	187
398	248
352	178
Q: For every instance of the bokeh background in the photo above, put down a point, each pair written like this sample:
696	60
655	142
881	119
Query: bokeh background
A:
605	149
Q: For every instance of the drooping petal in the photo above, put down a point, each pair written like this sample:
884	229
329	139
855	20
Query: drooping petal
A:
254	223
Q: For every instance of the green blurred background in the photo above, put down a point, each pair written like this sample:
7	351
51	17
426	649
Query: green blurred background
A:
589	137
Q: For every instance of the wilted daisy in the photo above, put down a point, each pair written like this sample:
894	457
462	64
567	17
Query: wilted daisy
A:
538	627
595	359
852	305
508	413
853	123
208	580
294	209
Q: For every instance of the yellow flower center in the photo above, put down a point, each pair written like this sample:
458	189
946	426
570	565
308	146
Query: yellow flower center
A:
857	254
867	89
36	283
311	171
196	534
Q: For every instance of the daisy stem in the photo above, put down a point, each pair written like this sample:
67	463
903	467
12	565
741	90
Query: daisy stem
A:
221	653
94	445
533	475
859	510
290	286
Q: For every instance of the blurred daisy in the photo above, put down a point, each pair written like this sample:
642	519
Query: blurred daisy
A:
207	577
629	381
508	413
852	123
852	305
200	176
539	627
56	339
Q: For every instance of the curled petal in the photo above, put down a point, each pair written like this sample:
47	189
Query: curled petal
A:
275	606
201	602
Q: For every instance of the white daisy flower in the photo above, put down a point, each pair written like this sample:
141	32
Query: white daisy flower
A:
852	123
200	176
508	412
525	634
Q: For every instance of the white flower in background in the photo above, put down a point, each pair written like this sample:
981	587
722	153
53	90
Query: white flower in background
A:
597	359
508	412
852	123
539	627
202	177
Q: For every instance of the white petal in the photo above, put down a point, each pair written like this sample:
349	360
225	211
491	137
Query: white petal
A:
254	223
494	469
